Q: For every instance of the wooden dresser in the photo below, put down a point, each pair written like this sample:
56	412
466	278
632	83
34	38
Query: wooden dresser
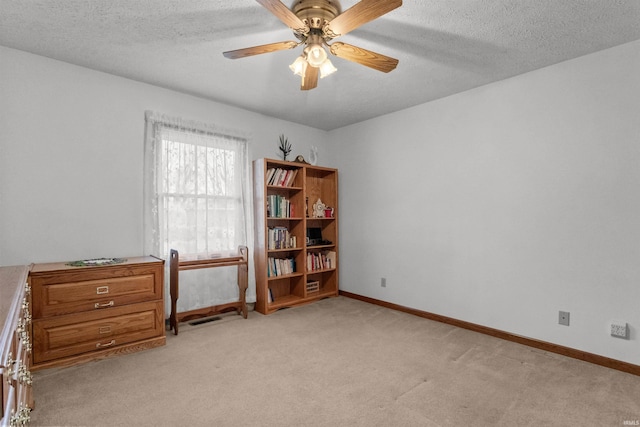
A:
15	347
90	312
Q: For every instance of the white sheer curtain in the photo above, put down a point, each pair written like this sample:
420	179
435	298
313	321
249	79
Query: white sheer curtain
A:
197	201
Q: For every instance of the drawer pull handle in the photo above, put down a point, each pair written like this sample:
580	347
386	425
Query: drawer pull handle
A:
26	341
21	418
109	304
10	371
100	290
109	344
24	375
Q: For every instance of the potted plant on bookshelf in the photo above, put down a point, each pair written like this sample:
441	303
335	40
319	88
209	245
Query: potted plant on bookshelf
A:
285	147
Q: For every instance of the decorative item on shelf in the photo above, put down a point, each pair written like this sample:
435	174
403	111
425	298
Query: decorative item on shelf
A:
318	209
300	159
285	147
96	262
313	155
328	212
313	286
306	206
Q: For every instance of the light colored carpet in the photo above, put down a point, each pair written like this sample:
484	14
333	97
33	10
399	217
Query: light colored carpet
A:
337	362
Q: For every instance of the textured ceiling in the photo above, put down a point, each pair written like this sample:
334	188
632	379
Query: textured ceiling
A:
444	47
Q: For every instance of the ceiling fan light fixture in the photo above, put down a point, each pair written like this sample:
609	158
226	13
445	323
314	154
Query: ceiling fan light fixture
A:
299	66
315	23
327	68
316	54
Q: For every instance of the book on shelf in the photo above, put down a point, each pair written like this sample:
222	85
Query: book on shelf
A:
291	177
280	177
280	238
270	173
331	259
271	299
321	260
280	266
279	207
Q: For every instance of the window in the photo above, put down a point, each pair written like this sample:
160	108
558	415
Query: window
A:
200	194
196	201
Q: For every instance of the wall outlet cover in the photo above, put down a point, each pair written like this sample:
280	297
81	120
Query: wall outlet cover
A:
619	329
563	318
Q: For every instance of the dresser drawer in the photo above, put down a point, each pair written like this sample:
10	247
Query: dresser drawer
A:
75	334
77	290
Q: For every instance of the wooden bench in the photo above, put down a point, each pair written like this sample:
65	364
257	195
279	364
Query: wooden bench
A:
196	262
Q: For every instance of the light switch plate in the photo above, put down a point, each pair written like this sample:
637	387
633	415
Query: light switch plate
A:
619	329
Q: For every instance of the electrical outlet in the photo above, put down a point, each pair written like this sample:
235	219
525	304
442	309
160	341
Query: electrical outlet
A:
619	329
563	318
383	282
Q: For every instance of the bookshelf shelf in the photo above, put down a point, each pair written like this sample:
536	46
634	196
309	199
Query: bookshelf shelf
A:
294	300
289	210
278	187
309	273
284	276
286	301
291	218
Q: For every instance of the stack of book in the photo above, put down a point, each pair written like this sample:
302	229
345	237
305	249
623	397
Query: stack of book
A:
281	177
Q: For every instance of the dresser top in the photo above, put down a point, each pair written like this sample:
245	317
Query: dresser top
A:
62	266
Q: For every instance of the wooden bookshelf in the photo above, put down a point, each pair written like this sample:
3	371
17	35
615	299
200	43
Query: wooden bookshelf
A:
287	203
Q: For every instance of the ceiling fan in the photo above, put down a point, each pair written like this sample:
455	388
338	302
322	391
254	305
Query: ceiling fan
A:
317	22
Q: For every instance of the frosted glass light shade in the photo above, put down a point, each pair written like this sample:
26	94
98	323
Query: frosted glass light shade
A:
327	68
299	66
316	55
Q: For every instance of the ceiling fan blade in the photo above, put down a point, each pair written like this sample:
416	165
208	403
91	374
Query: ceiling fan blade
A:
364	57
310	79
283	13
361	13
257	50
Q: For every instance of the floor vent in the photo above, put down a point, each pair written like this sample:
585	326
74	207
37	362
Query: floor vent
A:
201	321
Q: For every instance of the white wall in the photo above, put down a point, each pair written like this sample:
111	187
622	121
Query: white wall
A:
498	206
71	150
505	204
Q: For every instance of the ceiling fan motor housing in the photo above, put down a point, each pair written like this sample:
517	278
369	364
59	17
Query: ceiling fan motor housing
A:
315	13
